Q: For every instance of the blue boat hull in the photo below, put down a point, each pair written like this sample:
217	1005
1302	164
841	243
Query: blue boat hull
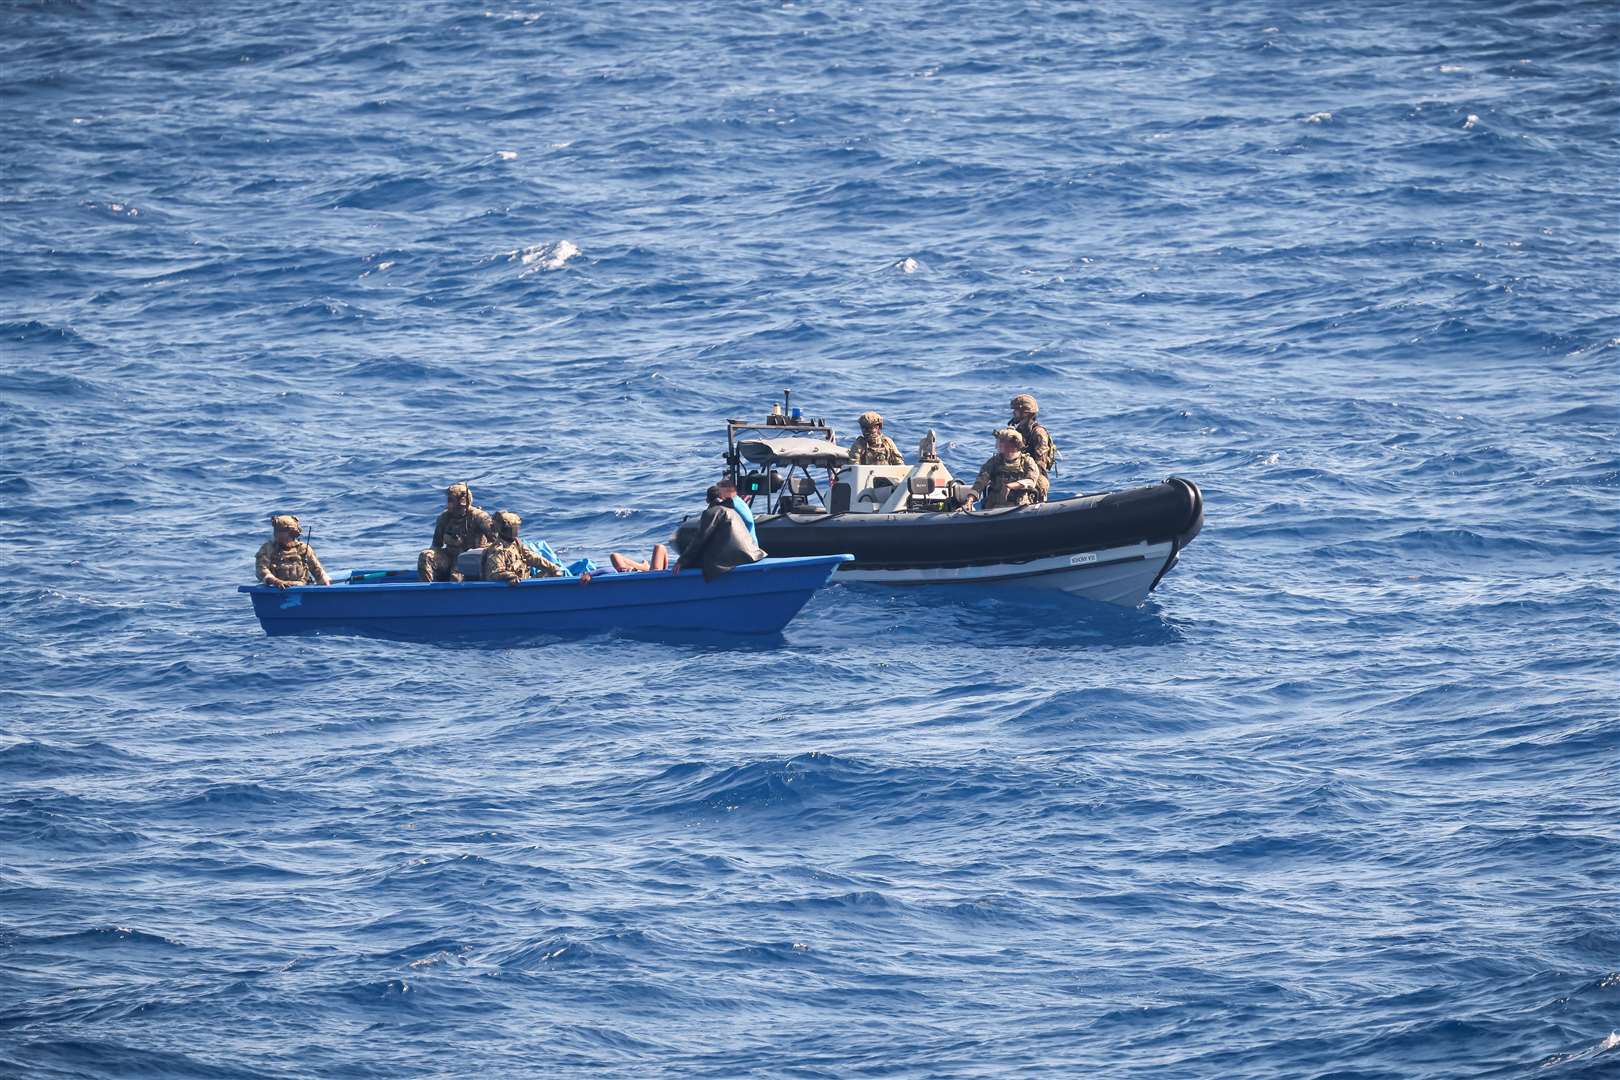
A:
759	598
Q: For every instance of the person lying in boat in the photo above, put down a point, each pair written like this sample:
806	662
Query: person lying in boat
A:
624	564
660	554
1037	440
508	559
1011	478
872	447
286	560
721	542
461	527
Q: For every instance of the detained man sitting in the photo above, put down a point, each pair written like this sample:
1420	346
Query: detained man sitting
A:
722	540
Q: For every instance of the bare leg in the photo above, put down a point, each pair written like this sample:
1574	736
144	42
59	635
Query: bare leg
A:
624	565
660	557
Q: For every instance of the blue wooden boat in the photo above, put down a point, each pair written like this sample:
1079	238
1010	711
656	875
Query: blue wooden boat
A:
756	598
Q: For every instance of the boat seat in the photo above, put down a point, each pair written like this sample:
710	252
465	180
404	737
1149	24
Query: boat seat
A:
471	564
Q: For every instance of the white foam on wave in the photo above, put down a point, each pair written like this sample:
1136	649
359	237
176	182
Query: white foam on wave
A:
908	265
544	256
1452	69
527	18
506	155
1470	122
1603	1046
1319	118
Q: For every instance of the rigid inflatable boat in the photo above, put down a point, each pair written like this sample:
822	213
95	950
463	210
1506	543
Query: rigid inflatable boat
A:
903	527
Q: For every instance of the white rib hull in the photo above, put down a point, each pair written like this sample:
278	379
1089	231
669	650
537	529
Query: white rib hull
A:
1122	575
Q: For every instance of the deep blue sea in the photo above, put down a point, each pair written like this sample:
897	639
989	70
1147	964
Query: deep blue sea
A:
1341	800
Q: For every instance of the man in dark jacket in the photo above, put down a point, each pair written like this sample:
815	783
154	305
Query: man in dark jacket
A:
722	540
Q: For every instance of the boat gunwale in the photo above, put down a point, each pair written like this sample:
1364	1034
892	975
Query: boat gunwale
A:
645	576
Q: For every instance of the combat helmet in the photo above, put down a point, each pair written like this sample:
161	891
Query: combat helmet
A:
870	420
1026	401
1012	435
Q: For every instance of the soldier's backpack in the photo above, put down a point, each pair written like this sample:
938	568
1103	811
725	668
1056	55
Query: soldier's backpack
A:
1049	458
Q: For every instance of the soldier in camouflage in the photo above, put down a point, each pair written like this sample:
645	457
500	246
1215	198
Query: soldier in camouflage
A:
873	447
287	560
508	560
461	527
1037	441
1011	478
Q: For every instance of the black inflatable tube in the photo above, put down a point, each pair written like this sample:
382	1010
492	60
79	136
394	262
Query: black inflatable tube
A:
1170	512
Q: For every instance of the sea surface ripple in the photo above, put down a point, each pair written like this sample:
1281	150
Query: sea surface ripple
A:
1340	800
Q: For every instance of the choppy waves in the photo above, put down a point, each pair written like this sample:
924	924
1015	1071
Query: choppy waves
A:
1339	799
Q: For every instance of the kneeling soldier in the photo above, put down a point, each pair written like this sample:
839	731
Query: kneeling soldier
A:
509	561
461	527
287	560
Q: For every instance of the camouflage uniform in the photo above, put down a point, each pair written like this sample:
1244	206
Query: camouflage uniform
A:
998	472
296	565
455	531
875	450
508	560
873	447
1037	441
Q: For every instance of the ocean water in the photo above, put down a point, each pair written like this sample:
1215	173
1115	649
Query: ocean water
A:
1340	800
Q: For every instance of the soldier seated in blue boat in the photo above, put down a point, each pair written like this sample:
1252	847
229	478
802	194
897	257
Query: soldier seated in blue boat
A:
285	560
461	527
721	542
509	560
1011	478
